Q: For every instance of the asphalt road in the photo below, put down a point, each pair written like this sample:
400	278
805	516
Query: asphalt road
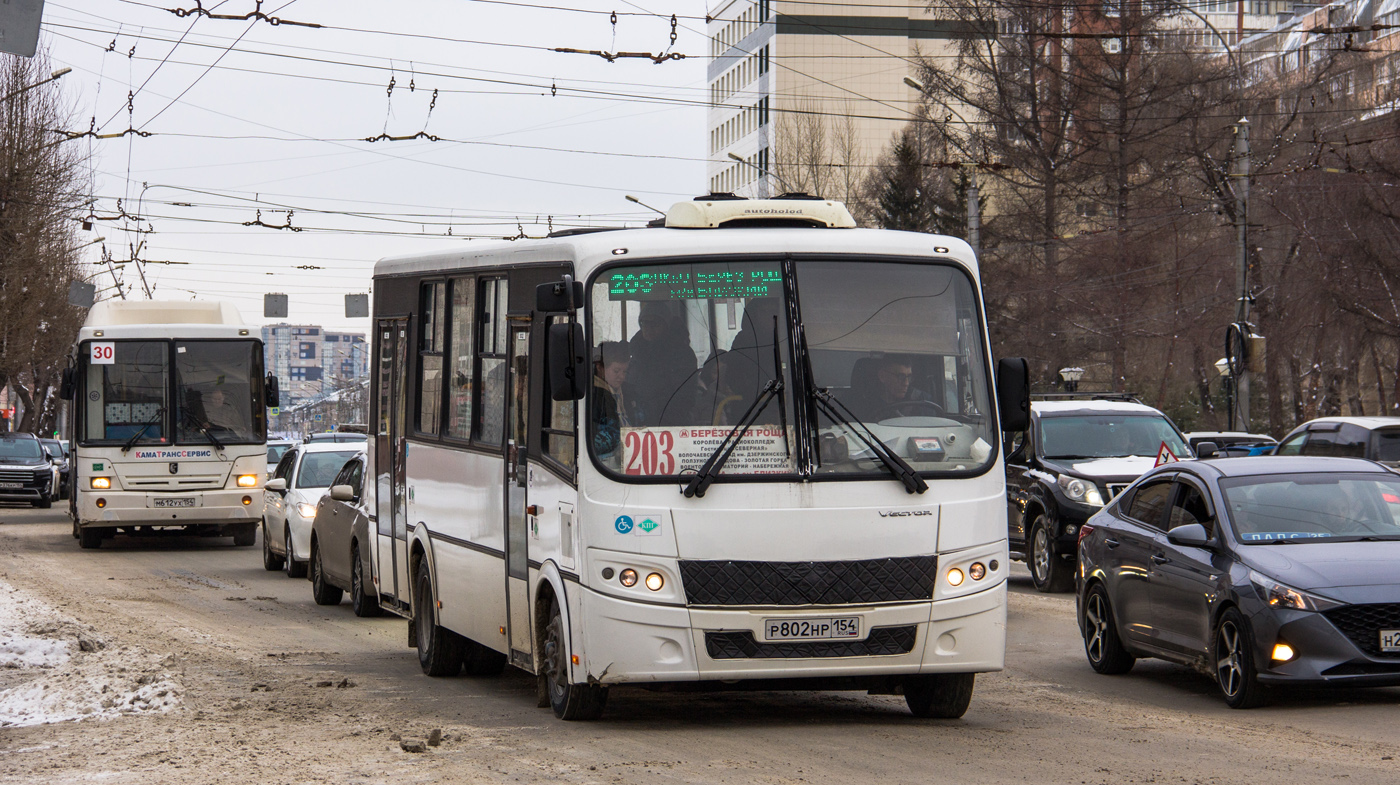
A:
252	649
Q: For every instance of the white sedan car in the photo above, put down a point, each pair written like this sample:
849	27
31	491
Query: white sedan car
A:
302	477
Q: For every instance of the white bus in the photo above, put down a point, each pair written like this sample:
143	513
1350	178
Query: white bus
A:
754	448
168	421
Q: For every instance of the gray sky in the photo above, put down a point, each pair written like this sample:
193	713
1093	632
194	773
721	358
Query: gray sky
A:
278	124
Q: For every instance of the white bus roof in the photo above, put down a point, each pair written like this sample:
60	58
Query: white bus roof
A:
165	318
590	250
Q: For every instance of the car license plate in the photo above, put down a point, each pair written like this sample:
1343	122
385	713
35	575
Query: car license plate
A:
182	501
1390	640
811	629
9	485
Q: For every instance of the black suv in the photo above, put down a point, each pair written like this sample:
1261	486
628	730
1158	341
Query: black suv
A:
1079	452
1373	438
26	471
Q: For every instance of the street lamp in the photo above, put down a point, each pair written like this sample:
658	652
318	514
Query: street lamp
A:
762	171
1071	377
55	75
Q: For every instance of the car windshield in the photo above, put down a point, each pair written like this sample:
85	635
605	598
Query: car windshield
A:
1388	446
318	469
1109	436
20	449
1271	508
682	353
54	449
219	392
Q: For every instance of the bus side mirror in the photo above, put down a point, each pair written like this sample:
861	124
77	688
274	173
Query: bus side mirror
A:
1014	393
568	361
67	385
274	398
554	297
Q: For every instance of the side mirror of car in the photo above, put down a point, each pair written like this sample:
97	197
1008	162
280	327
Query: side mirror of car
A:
1206	450
1192	535
1014	393
342	493
279	484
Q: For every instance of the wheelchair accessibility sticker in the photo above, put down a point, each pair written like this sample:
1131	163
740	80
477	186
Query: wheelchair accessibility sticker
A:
623	524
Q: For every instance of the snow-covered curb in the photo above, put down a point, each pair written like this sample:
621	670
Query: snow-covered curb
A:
55	669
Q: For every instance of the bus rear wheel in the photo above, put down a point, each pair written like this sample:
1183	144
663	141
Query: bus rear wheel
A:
440	650
941	696
569	701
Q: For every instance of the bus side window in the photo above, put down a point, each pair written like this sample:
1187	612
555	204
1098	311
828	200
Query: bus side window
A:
433	311
461	373
491	410
559	438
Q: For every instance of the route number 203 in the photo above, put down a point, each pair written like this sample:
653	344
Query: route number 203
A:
649	453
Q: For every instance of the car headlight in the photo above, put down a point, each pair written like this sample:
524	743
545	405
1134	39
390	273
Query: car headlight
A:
1279	595
1081	491
306	510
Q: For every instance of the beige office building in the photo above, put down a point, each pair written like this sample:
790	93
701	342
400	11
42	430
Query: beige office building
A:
792	82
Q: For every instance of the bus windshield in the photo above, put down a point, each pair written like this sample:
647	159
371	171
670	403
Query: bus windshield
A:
684	352
125	384
218	392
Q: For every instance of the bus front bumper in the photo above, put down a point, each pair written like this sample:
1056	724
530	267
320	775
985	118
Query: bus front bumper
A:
632	642
134	508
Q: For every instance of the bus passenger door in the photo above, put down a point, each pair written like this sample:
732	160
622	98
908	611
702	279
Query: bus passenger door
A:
516	474
391	541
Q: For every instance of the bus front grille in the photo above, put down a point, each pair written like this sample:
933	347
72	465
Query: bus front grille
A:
882	641
727	583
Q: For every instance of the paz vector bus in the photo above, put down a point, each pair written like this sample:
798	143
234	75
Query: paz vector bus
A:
754	448
168	418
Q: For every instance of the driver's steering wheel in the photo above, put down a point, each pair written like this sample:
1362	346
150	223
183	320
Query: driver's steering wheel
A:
903	409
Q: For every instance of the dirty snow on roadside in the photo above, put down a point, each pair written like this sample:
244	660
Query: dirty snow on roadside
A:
55	669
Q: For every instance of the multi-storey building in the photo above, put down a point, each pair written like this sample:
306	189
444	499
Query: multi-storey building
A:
782	72
308	361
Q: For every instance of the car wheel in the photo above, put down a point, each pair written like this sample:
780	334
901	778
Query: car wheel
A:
295	569
365	605
323	593
90	538
942	696
271	561
1101	643
440	650
75	528
44	502
1234	663
569	701
1049	572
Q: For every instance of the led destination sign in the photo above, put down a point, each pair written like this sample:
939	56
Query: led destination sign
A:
673	282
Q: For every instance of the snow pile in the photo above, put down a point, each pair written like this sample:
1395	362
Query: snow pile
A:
54	669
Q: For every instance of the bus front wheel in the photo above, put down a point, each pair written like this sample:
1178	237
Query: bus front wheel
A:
246	536
942	696
569	701
89	538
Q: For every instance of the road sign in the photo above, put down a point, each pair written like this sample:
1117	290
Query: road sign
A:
1165	455
320	417
274	306
274	411
356	306
19	26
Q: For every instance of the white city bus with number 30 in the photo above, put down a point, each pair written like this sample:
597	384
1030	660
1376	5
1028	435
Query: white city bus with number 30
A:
168	420
754	448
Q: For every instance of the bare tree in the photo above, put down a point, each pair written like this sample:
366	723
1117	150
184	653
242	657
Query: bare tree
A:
41	185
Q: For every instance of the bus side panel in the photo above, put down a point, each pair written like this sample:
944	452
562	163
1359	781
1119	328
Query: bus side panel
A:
457	494
977	520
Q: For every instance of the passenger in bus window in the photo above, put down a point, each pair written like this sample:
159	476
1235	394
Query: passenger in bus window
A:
748	366
661	376
609	404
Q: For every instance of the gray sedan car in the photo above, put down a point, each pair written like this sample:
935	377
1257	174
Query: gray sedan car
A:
1259	571
340	543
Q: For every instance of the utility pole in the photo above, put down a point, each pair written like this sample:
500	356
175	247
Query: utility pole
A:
974	212
1241	331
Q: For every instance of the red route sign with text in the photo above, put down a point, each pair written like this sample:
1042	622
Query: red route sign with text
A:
1165	455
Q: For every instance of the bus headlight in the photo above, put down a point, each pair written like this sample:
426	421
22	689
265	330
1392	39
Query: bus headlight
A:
655	581
955	577
247	480
101	483
628	577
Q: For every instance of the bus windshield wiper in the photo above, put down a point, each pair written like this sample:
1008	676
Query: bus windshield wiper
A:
135	437
715	463
204	429
837	411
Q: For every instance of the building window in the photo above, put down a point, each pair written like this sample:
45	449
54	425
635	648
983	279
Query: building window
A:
307	351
